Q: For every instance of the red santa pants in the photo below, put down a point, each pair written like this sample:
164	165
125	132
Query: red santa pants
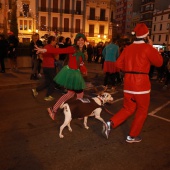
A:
132	103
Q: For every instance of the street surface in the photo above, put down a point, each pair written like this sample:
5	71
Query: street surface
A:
29	139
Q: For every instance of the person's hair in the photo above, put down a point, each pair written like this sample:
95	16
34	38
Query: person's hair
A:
50	39
67	40
60	39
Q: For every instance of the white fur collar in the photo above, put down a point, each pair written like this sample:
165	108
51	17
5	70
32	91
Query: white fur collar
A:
139	42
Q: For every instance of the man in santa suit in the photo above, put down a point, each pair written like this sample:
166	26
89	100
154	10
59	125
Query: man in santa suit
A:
135	62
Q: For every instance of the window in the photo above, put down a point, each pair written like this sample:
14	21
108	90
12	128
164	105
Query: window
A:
159	39
10	4
25	25
102	14
43	5
92	13
91	30
21	25
154	28
66	25
67	6
101	29
43	23
160	27
77	25
55	24
30	25
78	7
166	38
25	9
55	5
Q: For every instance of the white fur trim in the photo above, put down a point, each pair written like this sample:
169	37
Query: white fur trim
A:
143	36
137	92
138	42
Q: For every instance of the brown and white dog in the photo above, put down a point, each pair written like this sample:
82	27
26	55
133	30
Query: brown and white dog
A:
82	108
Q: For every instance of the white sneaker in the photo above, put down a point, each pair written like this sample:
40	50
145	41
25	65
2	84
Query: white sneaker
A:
130	139
49	98
34	92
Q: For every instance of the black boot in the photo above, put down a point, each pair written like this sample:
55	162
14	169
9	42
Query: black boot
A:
32	77
35	77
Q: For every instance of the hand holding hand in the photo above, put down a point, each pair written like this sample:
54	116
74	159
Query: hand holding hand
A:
40	50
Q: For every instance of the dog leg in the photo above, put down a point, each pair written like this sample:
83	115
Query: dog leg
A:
97	113
69	127
67	120
85	122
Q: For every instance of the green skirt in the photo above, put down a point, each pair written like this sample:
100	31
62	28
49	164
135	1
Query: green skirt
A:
70	79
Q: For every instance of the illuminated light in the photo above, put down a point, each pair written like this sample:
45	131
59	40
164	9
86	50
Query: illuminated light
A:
29	30
98	36
36	31
104	36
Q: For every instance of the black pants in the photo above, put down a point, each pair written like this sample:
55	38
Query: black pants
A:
47	82
167	77
110	76
2	63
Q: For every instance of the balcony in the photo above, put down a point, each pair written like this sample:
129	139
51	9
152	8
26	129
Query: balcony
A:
55	10
78	12
103	19
43	9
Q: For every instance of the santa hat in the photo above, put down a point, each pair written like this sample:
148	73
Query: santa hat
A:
141	30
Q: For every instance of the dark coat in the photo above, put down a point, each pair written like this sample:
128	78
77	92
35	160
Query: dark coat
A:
80	109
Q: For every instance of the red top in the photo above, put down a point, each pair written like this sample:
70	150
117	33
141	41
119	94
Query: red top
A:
69	50
48	58
137	58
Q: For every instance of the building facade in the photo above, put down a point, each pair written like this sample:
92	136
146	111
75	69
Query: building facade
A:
94	18
99	20
161	28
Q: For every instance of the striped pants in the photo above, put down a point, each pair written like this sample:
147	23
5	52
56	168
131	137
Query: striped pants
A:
66	97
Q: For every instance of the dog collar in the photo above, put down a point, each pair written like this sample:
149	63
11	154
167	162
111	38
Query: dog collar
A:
102	103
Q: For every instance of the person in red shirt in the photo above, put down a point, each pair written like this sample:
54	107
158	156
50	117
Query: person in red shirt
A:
70	76
135	62
48	71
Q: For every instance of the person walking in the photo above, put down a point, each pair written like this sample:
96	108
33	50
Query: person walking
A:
62	57
110	54
89	53
3	52
135	61
12	50
48	71
36	61
70	76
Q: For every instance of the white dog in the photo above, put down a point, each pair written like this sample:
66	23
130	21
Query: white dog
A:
82	108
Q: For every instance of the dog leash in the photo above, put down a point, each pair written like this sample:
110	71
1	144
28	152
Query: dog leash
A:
108	111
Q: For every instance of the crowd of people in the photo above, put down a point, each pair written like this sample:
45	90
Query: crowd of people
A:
63	66
8	48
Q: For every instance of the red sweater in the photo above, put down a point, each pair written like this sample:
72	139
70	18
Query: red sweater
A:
69	50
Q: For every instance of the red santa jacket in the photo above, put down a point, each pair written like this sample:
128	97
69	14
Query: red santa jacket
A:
135	61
